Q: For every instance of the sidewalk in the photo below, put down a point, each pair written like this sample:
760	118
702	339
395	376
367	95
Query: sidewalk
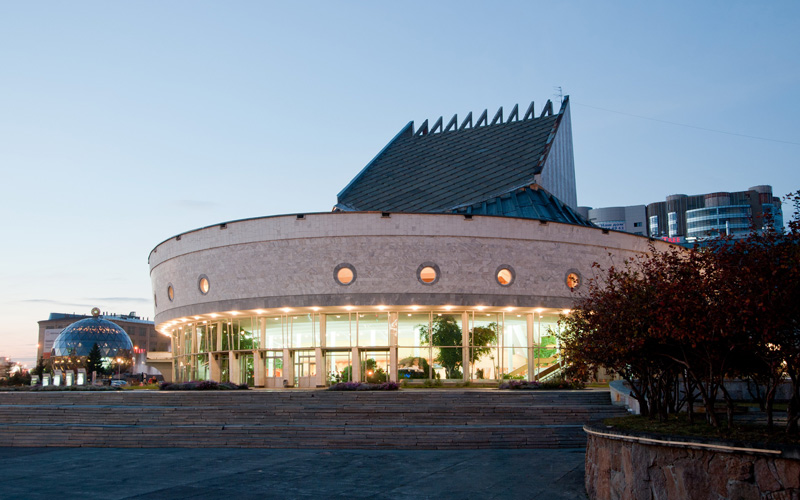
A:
161	473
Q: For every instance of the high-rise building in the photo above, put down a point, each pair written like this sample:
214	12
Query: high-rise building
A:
686	219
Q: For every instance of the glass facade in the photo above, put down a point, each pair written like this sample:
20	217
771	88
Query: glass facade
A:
718	221
314	349
672	224
78	338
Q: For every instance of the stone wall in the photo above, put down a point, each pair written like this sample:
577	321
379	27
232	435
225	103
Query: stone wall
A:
286	261
643	467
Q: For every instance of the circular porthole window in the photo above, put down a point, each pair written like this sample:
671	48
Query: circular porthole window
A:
573	279
428	273
505	275
203	284
170	292
344	274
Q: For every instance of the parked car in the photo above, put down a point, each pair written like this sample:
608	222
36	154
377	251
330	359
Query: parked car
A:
118	383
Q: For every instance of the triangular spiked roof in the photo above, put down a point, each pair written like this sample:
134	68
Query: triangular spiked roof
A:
445	168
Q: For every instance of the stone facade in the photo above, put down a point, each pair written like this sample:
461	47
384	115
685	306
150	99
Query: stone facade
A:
288	261
620	467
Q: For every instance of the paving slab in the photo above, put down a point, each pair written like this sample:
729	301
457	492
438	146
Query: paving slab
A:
226	473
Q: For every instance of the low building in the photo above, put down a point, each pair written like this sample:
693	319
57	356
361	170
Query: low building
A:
142	332
448	256
631	219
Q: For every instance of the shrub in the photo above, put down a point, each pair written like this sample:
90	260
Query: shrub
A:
201	385
557	384
364	386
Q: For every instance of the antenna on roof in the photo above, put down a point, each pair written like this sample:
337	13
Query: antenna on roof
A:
560	94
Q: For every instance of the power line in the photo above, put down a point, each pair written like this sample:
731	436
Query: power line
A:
689	126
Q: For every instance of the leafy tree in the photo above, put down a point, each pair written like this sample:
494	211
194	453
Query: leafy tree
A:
39	369
445	332
730	309
94	362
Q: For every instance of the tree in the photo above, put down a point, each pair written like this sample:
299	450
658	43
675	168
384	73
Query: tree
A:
445	332
730	309
94	362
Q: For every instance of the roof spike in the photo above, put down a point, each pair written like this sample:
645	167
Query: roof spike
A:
530	113
453	123
514	115
498	117
548	108
423	129
437	126
467	120
482	119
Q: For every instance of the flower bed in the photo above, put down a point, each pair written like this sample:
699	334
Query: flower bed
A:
525	385
60	388
363	386
201	385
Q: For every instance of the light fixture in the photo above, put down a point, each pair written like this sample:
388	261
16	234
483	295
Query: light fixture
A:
509	309
381	308
259	311
448	308
286	309
234	313
480	308
566	311
414	308
214	315
539	310
315	308
349	308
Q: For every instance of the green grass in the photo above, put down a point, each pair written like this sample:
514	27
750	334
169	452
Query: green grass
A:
679	426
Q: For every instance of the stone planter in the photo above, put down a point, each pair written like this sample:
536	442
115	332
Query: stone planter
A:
643	466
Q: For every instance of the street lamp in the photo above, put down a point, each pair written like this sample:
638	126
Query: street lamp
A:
119	367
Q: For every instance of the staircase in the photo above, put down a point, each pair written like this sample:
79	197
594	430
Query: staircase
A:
405	419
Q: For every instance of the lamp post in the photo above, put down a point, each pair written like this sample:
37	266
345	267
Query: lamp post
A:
119	367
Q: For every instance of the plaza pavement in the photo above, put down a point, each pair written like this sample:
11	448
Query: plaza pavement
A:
236	474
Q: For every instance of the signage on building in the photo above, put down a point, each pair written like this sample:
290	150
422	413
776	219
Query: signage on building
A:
50	335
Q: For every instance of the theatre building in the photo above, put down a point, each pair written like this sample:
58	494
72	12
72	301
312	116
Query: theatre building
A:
451	255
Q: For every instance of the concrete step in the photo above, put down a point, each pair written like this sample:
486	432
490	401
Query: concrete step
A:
412	419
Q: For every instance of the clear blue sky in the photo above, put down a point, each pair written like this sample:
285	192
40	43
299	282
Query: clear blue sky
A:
125	123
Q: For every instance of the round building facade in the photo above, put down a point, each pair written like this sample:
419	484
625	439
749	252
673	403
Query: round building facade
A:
307	300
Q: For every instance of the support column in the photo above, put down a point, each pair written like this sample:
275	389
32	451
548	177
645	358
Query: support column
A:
213	367
531	350
259	371
465	367
233	368
356	364
321	374
393	347
288	368
322	329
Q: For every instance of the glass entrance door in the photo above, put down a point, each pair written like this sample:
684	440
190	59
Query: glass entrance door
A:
375	366
305	368
338	367
246	371
273	369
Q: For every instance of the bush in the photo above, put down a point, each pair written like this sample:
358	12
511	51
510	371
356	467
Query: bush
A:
363	386
557	384
201	385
